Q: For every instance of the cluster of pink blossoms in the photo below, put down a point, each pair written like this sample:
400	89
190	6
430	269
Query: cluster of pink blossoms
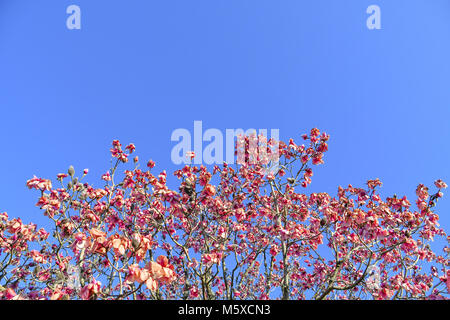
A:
229	232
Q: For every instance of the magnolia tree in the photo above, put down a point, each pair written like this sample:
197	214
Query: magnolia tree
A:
233	232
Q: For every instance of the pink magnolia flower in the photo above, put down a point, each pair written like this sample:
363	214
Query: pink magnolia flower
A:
15	226
440	184
106	176
91	290
116	144
137	274
37	256
194	292
151	164
274	250
210	190
317	159
209	259
190	154
134	273
141	244
422	192
304	159
80	242
4	216
156	270
385	293
130	148
9	294
308	173
323	147
119	244
99	242
315	132
240	214
57	294
151	284
96	233
39	184
163	261
161	270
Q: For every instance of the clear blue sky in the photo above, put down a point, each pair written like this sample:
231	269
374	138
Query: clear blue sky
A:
139	69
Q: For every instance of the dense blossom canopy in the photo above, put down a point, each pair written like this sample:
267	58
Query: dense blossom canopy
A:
246	231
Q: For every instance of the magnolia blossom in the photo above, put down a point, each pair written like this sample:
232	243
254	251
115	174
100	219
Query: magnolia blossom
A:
91	290
162	270
119	244
57	294
137	274
440	184
194	292
37	256
154	272
211	258
106	176
210	190
40	184
130	148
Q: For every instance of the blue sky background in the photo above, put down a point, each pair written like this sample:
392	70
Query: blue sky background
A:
137	70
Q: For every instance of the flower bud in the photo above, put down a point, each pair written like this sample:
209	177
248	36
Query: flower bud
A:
71	171
135	244
36	270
